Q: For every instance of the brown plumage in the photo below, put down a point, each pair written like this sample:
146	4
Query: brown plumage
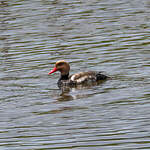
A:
78	78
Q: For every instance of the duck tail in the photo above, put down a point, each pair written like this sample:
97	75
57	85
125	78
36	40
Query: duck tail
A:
100	76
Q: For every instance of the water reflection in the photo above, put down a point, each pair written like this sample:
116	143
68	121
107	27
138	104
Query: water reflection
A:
82	91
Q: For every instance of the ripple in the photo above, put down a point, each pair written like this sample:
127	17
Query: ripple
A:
110	36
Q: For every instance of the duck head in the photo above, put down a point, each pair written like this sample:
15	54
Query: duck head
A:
62	66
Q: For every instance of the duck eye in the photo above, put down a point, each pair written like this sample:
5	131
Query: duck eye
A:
60	64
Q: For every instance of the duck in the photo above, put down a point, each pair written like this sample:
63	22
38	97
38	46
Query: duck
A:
75	79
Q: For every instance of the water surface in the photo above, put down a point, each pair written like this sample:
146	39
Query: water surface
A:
110	36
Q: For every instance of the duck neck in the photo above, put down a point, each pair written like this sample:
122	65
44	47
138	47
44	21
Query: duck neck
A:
64	77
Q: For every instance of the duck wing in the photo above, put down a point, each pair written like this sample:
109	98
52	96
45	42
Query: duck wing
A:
83	77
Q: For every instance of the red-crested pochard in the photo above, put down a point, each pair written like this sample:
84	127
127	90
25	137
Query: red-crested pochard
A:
78	78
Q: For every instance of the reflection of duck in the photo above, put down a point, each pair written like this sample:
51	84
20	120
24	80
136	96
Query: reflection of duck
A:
89	77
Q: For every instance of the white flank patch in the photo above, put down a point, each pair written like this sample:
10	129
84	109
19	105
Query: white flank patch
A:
81	79
73	77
